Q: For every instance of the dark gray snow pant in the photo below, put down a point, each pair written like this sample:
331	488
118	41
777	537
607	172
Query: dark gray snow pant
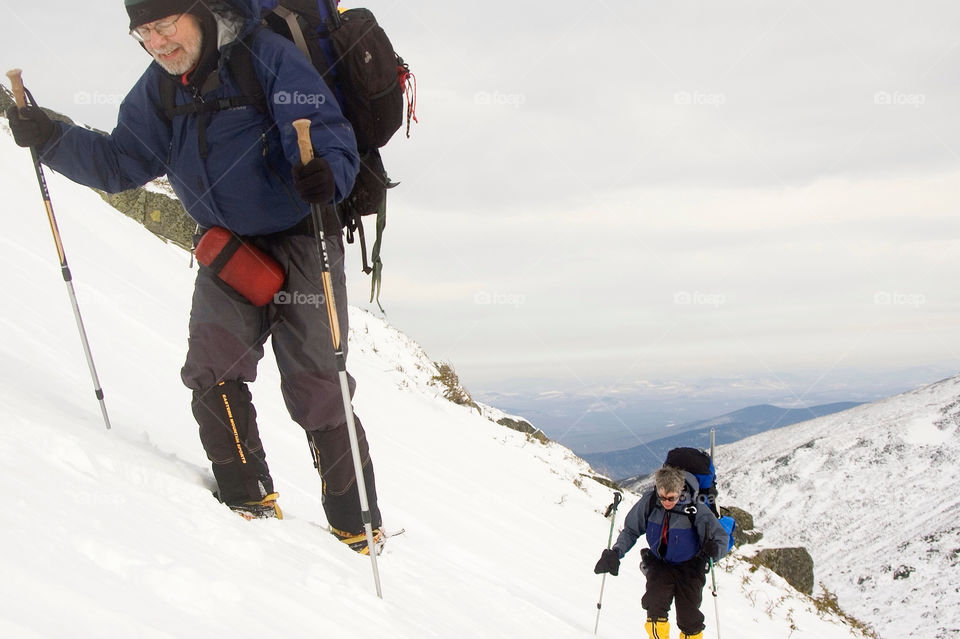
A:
682	583
227	336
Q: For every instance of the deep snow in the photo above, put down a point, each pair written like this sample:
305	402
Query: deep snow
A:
115	534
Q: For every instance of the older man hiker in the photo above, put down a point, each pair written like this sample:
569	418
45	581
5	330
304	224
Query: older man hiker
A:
236	170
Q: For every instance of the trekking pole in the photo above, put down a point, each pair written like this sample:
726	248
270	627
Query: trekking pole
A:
19	96
612	514
716	606
306	154
713	576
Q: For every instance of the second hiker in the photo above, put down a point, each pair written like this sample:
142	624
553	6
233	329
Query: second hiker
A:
682	534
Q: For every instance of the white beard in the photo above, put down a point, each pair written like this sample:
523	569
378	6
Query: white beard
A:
187	56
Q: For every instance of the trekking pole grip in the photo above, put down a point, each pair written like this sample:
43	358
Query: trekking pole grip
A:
303	139
16	83
306	154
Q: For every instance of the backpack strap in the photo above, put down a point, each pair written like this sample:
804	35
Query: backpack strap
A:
690	511
309	31
168	97
241	68
376	275
296	33
650	506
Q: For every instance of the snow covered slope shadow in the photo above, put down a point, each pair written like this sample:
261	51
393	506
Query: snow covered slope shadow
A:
115	534
871	493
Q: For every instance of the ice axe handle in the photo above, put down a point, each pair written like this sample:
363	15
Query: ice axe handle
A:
16	83
303	139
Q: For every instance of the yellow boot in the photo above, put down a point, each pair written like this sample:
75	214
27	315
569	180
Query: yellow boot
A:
658	628
684	635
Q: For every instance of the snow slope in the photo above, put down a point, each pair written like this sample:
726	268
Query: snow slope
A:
115	534
871	492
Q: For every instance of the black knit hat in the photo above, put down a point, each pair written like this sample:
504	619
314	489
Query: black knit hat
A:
144	11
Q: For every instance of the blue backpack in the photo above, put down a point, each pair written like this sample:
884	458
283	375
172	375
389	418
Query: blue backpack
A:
369	80
697	463
700	465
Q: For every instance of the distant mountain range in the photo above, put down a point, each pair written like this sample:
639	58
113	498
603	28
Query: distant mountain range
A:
641	460
846	487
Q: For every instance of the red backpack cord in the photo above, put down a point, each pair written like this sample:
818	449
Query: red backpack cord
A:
408	84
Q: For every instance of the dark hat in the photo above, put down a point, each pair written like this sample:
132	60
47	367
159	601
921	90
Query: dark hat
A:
144	11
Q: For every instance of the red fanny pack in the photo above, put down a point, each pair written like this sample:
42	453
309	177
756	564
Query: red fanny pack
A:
247	269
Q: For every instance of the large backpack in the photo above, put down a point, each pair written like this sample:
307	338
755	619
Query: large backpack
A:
697	463
355	58
700	465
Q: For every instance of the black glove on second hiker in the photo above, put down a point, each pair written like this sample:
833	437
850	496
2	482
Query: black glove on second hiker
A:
609	562
31	126
314	181
709	548
645	558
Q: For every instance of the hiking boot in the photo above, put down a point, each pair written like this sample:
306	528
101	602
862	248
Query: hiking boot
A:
358	541
263	509
684	635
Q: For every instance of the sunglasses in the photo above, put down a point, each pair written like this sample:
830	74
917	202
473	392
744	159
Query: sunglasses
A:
665	498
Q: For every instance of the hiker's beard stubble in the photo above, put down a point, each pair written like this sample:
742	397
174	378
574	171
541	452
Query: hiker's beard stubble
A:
178	58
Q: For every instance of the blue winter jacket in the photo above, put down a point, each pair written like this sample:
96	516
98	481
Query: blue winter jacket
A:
245	182
684	538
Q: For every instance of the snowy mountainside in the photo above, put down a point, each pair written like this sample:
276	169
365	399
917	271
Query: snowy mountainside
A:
115	534
870	493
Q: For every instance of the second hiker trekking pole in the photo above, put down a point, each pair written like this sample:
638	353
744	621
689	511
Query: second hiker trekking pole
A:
612	514
713	576
306	154
716	606
20	97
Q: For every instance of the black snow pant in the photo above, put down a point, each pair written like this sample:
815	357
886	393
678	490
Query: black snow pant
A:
681	582
226	342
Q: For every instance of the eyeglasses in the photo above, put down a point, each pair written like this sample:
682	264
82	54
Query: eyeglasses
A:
664	498
166	28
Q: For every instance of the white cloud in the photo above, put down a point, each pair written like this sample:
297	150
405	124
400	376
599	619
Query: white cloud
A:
596	160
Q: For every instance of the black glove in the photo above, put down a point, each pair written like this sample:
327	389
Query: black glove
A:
609	562
709	548
31	126
645	558
314	181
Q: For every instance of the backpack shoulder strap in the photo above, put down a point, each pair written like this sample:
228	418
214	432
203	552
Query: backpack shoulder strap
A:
168	99
690	511
241	68
296	33
650	506
309	32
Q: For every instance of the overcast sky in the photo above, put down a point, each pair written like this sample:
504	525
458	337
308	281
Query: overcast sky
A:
616	190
